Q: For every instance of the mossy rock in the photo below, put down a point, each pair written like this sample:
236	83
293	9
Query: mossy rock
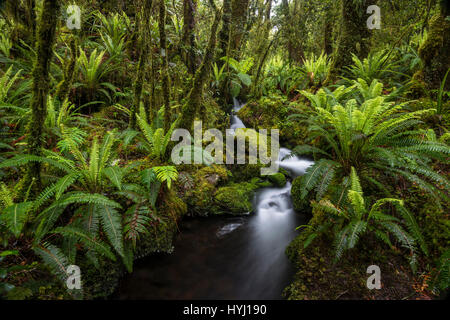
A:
272	113
278	179
300	205
245	172
235	199
200	197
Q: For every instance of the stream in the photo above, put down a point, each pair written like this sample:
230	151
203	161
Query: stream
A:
223	257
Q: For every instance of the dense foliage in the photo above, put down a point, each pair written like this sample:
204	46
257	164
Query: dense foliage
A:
87	115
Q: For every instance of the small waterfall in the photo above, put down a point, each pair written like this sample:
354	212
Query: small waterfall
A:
275	200
224	257
236	123
295	165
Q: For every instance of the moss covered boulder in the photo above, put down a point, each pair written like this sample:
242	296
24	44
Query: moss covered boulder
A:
273	113
300	205
205	182
278	180
235	199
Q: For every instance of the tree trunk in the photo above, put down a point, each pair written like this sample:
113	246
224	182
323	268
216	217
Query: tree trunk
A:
44	52
224	34
165	80
63	88
189	8
354	35
239	10
144	6
194	100
328	31
435	51
31	12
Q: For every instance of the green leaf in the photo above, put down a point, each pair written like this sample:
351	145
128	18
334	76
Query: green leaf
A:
112	225
245	79
115	175
15	217
90	242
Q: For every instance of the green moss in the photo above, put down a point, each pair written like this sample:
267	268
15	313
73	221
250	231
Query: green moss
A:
300	205
353	38
435	52
206	180
236	198
278	179
273	113
44	51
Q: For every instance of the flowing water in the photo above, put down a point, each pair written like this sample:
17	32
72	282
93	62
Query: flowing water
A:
226	257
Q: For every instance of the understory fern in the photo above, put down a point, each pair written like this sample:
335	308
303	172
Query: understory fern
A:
356	218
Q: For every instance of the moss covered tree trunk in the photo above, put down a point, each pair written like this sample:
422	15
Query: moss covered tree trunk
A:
263	49
224	34
239	9
31	16
194	100
45	39
189	10
143	8
328	31
354	35
165	80
63	88
435	51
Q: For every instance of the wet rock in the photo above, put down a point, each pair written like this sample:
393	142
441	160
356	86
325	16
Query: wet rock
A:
278	180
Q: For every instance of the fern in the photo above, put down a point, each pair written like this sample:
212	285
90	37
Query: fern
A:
166	174
87	240
54	259
15	217
372	135
112	224
353	220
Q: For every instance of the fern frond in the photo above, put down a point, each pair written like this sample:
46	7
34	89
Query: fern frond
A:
112	225
15	217
87	240
54	259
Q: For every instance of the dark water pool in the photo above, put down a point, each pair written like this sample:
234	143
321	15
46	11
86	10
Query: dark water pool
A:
223	257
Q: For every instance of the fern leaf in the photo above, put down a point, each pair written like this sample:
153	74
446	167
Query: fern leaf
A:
112	225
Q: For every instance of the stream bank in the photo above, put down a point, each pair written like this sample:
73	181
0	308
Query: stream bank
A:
226	257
